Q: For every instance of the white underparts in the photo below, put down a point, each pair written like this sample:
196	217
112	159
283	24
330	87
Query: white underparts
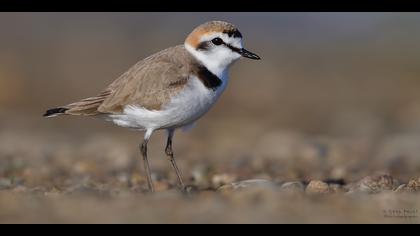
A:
183	110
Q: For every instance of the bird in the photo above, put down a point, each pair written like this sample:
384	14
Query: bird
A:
168	90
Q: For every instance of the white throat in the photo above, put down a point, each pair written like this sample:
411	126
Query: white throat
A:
216	63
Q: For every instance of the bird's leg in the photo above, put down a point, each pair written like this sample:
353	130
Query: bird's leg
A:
170	154
143	149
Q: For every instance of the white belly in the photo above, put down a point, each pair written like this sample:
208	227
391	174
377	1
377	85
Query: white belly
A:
185	108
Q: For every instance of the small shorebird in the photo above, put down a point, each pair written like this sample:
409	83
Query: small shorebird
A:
170	89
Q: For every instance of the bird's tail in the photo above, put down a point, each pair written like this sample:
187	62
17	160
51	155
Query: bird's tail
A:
55	112
85	107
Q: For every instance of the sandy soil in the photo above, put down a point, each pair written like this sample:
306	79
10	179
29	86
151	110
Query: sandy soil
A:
85	177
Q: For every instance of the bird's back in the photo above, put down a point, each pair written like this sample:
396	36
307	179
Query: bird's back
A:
149	84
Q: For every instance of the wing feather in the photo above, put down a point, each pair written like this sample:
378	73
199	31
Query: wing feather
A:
149	84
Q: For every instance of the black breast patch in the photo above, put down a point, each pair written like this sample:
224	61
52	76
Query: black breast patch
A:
210	80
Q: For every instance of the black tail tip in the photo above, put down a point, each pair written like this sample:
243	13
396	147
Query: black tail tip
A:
55	111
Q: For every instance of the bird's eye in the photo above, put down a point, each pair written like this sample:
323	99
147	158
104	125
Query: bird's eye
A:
217	41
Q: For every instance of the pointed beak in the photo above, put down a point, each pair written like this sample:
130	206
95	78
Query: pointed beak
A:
248	54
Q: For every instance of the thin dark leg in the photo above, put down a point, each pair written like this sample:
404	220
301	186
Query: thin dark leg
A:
143	149
170	154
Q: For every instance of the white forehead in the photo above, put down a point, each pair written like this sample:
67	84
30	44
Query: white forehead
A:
236	42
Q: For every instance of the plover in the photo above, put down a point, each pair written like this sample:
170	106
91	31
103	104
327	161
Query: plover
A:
170	89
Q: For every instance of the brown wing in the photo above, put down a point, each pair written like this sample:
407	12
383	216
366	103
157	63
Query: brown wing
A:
149	84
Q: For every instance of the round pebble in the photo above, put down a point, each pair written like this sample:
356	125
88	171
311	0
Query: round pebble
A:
294	187
317	187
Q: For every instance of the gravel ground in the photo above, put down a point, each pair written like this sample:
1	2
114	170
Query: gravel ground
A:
85	177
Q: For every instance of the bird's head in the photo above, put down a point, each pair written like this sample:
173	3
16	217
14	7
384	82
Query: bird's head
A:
217	44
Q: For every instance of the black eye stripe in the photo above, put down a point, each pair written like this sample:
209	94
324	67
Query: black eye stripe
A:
218	41
206	45
235	49
203	46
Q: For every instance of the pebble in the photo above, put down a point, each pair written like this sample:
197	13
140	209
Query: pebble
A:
293	187
376	184
414	185
318	187
5	183
401	188
222	179
411	187
248	184
200	176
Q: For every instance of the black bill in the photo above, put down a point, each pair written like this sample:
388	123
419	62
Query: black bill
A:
248	54
244	52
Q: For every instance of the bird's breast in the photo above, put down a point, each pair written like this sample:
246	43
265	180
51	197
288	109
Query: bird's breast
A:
184	108
193	101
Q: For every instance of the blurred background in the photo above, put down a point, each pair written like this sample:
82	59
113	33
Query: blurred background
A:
335	96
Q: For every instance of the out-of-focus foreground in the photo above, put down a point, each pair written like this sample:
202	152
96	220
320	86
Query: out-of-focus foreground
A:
325	128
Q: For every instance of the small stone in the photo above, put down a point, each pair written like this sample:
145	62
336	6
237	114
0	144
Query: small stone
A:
248	184
413	185
200	176
54	192
222	179
294	187
5	183
317	187
376	184
401	188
